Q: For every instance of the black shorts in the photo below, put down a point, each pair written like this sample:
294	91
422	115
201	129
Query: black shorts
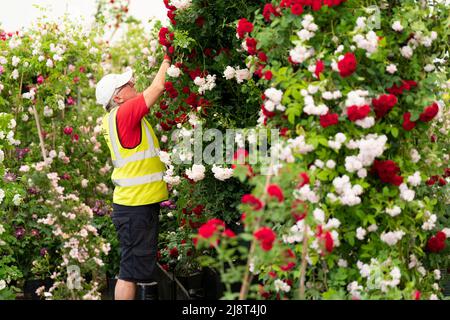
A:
137	228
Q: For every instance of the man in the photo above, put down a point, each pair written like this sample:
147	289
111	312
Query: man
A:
137	176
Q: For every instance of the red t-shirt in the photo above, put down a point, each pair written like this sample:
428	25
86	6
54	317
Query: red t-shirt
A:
128	121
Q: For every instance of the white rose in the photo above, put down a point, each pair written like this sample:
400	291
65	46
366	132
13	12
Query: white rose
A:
397	26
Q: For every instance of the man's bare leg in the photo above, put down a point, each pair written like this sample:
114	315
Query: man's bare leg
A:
125	290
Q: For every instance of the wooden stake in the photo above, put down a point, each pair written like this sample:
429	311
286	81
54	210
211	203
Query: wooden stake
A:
41	137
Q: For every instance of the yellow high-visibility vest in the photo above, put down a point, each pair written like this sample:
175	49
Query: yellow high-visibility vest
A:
138	173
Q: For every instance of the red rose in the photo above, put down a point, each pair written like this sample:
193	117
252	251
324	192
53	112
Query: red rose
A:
251	45
437	243
408	125
173	252
330	119
355	113
429	113
207	230
268	11
384	104
320	66
40	79
262	56
198	210
441	236
316	5
387	171
269	114
266	237
430	182
275	191
240	155
405	86
200	21
68	130
329	243
305	180
347	66
244	26
171	15
268	75
192	99
253	201
186	90
228	233
447	172
163	37
297	9
163	106
288	266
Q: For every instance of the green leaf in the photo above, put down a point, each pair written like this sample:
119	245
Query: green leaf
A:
394	132
323	175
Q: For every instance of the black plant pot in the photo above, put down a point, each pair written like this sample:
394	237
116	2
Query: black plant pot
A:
30	287
193	284
212	284
110	288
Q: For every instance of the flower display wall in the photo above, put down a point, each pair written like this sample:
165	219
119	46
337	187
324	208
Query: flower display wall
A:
356	205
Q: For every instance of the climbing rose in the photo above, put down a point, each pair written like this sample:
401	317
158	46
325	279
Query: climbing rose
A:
244	26
266	237
207	230
330	119
384	104
405	86
347	66
229	233
320	66
355	113
275	191
251	46
268	75
329	243
437	243
173	252
297	9
268	11
68	131
253	201
305	180
408	125
429	113
388	171
262	56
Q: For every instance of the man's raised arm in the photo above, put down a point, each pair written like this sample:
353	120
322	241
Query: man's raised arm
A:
156	89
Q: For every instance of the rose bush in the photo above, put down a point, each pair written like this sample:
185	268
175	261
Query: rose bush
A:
360	97
53	152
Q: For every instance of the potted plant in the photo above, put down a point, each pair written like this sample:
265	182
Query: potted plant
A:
41	270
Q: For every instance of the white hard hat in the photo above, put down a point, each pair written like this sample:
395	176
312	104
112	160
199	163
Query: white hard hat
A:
106	87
